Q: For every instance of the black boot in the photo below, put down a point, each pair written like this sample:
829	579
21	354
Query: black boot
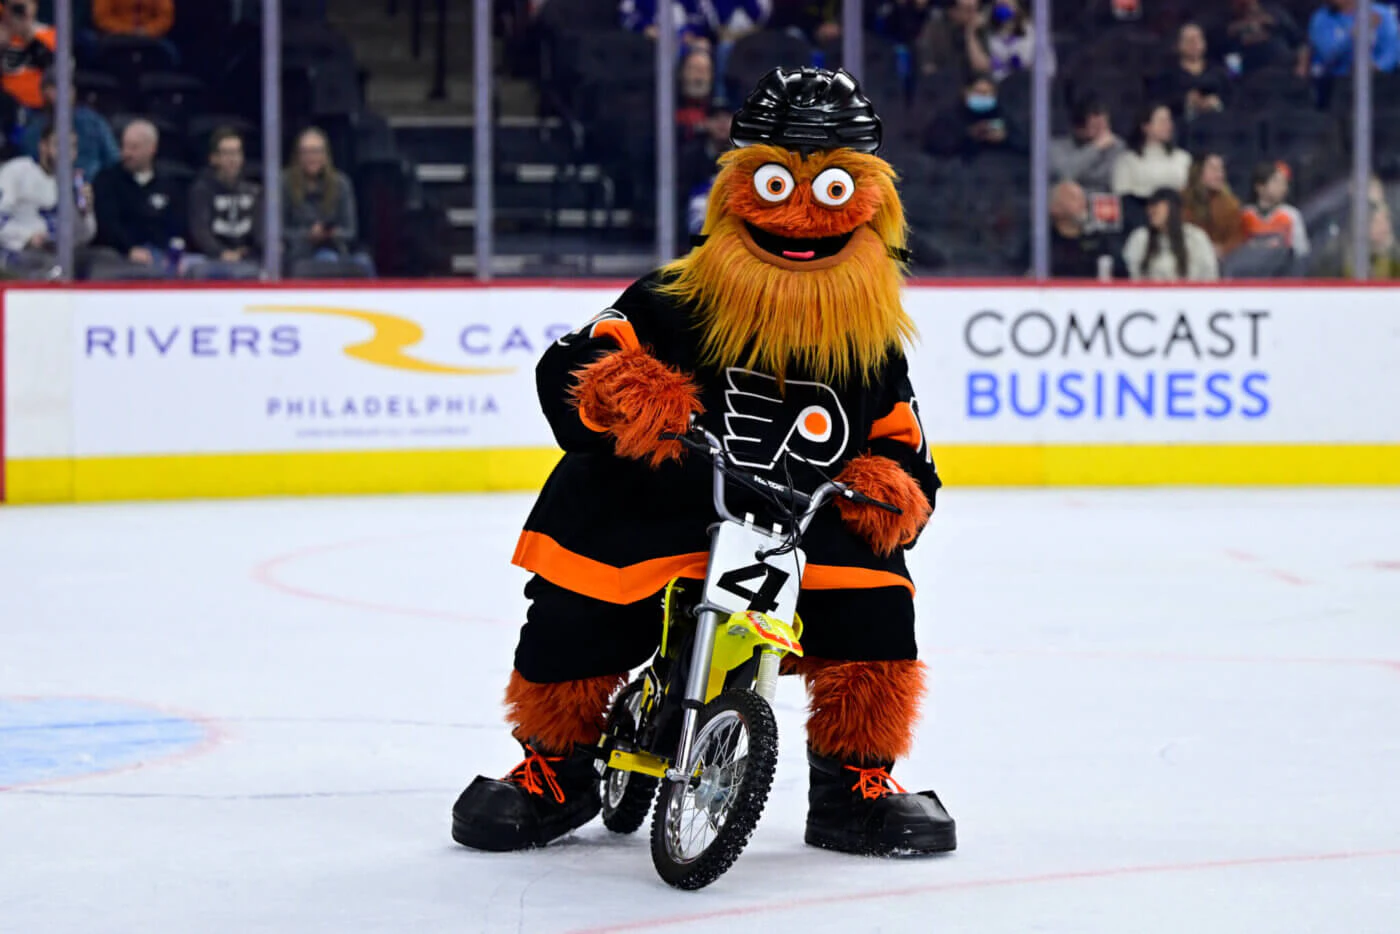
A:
544	797
852	808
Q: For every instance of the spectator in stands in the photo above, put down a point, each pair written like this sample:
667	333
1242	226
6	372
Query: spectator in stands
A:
975	124
318	208
1088	154
696	92
150	18
1264	35
1151	161
901	21
1075	251
1167	249
28	54
1208	202
97	145
1330	38
692	25
1269	219
1010	39
29	211
955	40
1192	85
817	21
140	211
1384	253
697	168
225	213
729	21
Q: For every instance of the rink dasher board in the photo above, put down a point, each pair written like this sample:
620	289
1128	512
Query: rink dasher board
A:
133	393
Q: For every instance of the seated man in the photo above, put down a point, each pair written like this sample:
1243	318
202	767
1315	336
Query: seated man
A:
140	213
225	214
29	212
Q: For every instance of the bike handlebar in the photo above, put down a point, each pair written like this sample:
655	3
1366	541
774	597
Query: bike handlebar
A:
706	444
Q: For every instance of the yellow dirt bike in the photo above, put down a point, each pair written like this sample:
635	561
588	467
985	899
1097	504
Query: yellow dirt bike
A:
698	718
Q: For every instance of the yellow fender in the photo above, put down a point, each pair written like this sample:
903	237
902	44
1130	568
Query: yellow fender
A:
738	637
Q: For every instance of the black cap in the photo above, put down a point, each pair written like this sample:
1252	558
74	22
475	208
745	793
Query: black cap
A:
807	110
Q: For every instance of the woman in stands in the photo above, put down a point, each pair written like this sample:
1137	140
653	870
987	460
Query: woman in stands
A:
1208	202
318	213
1152	160
1168	249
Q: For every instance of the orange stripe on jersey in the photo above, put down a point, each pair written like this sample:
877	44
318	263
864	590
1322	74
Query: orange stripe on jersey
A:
1279	223
619	330
833	577
900	425
544	556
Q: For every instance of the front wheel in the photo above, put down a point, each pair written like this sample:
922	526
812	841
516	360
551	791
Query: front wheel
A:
703	824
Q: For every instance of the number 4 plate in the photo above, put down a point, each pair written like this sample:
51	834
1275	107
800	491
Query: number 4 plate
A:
739	581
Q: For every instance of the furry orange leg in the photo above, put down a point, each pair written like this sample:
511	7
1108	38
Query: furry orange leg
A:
881	478
862	711
636	397
556	716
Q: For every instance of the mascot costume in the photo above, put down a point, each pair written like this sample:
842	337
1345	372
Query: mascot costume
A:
783	333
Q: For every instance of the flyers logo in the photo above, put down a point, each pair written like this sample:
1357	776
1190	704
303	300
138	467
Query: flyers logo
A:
761	424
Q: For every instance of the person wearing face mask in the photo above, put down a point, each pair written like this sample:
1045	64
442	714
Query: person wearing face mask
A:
976	124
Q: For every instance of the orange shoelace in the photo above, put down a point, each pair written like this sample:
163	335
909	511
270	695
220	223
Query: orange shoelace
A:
874	783
535	774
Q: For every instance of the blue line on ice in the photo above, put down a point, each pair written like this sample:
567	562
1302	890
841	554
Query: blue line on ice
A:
47	738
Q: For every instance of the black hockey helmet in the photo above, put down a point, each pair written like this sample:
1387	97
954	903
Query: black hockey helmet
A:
807	110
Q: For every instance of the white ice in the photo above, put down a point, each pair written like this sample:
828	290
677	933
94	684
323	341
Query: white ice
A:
1151	711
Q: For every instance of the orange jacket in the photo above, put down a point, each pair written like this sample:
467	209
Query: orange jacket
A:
134	17
25	63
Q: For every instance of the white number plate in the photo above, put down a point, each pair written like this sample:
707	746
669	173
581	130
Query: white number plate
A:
739	581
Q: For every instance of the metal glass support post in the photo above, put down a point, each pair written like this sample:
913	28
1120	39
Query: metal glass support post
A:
64	137
1361	144
1040	144
852	38
665	133
272	139
481	138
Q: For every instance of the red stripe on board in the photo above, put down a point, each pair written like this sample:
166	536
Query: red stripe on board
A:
2	395
409	285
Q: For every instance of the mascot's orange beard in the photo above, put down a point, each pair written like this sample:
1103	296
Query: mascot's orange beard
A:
836	318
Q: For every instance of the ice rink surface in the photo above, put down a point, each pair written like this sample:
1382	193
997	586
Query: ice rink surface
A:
1151	711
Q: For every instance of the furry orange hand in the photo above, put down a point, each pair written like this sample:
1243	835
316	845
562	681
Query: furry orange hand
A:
881	478
635	397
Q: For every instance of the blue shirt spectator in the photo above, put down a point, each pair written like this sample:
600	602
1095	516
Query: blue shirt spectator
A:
1330	36
689	17
97	146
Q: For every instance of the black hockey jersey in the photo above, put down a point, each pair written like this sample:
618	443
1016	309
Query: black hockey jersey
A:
615	529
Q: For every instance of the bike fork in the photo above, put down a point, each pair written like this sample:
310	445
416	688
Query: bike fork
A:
696	682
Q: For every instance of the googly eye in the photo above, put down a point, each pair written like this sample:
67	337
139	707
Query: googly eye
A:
834	187
773	182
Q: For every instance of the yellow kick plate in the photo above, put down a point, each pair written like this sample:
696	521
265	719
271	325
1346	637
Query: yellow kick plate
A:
643	762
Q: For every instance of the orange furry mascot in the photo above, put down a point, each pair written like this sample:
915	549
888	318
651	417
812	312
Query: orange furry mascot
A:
783	333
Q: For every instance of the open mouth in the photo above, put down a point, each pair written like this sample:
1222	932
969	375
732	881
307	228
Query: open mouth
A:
798	249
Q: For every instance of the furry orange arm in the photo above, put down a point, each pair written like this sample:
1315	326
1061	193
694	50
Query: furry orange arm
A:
883	479
635	397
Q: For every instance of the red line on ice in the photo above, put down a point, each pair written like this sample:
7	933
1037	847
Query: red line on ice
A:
973	884
264	574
